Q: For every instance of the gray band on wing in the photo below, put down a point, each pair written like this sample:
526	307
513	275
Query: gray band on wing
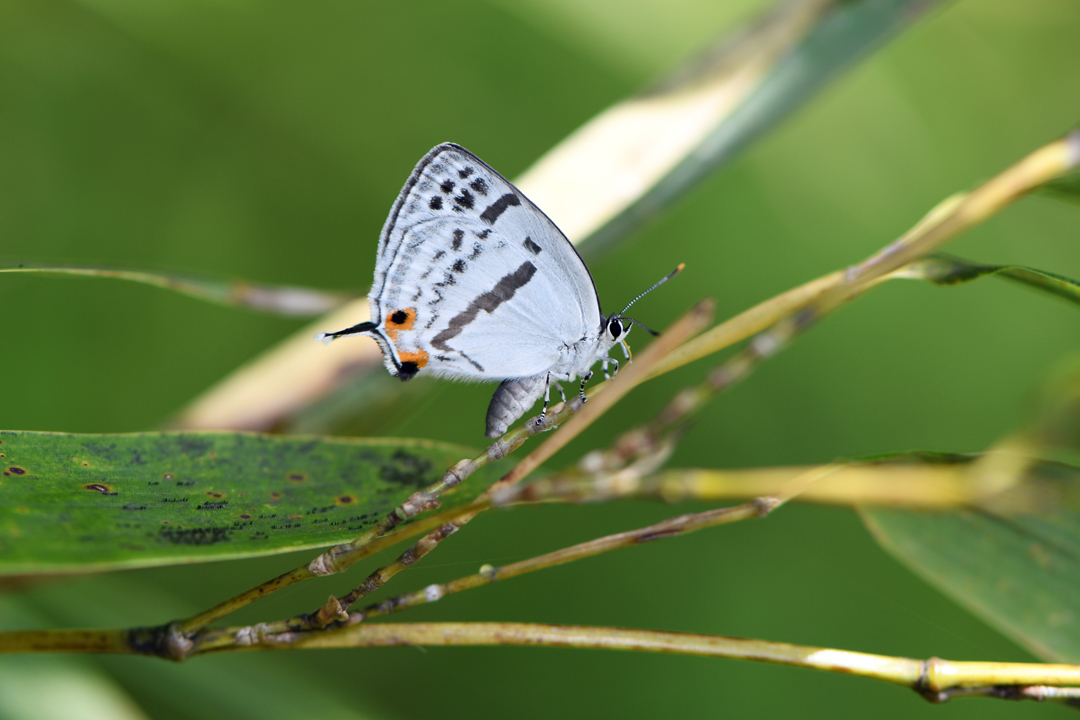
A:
497	208
503	291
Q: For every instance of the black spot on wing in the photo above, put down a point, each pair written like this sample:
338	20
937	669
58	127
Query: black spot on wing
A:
465	172
482	235
447	186
476	250
459	266
459	235
531	246
466	199
407	370
438	254
479	186
489	301
497	208
435	203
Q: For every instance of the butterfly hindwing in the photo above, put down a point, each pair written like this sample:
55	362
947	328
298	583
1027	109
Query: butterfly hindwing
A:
472	280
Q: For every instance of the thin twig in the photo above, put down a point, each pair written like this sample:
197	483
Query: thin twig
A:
949	219
935	679
671	527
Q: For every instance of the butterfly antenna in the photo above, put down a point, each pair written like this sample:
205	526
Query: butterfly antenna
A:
670	275
643	326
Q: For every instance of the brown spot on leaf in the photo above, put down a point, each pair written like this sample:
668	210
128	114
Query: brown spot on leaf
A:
295	517
99	487
296	477
16	470
216	494
167	476
245	516
345	499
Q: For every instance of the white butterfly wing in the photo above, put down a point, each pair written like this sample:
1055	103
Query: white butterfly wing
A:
472	280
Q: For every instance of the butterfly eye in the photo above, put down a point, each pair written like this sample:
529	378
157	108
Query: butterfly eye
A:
615	328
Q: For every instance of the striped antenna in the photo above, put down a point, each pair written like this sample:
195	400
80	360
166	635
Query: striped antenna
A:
670	275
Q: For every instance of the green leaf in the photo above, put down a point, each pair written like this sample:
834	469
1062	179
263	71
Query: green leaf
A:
1023	577
944	269
280	299
82	502
1015	559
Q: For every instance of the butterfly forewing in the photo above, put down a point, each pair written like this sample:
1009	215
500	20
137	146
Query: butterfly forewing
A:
473	280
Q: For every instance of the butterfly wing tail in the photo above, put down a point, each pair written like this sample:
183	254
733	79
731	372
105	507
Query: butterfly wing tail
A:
327	338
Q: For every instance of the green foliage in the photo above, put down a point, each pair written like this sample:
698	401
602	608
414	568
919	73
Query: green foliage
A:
1019	573
92	502
948	270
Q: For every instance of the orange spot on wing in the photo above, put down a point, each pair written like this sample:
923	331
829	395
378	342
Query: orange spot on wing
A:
403	319
419	357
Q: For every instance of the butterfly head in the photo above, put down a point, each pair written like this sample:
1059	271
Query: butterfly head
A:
616	327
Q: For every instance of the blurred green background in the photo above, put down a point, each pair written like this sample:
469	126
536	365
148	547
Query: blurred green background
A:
267	140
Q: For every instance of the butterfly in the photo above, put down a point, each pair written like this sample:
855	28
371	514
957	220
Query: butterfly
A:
474	282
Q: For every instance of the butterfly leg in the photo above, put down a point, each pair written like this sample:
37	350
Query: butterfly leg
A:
561	393
584	380
547	395
606	361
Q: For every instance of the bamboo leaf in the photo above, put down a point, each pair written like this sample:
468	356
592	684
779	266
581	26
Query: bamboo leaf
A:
280	299
943	269
1015	564
82	502
1011	574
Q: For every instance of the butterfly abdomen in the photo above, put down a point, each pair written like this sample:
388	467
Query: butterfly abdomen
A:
512	398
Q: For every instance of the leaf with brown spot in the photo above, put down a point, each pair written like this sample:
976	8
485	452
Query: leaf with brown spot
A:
91	502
